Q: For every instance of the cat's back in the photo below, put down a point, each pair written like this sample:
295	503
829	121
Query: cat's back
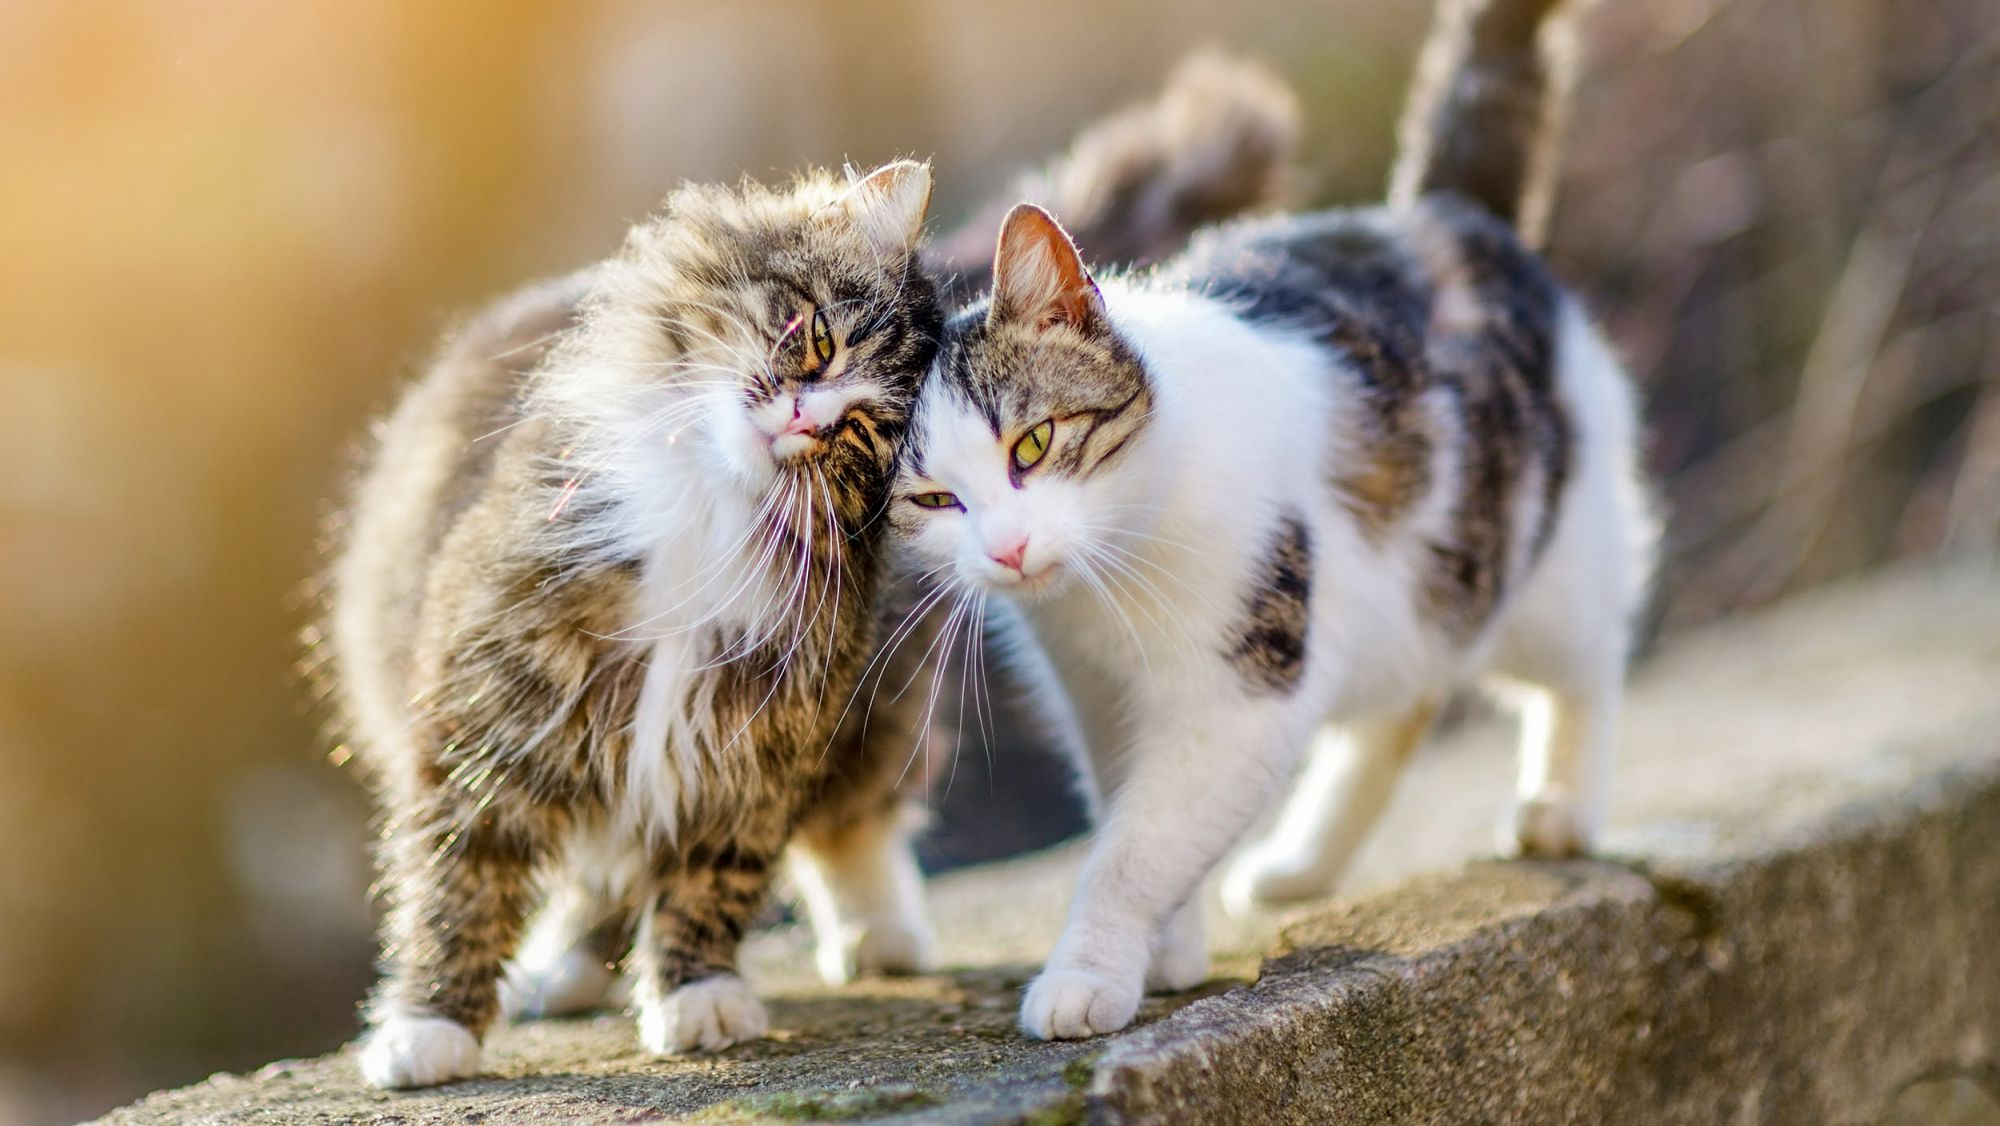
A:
434	456
1399	291
1442	325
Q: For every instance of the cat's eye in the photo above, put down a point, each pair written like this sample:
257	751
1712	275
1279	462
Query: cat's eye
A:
822	338
936	500
1034	445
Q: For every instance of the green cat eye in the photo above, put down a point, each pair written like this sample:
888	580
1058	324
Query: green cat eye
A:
822	338
936	500
1034	445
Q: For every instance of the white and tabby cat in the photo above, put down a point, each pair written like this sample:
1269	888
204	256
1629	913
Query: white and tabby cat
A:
1274	501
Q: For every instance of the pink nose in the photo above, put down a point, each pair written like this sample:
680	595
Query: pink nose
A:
1011	557
799	424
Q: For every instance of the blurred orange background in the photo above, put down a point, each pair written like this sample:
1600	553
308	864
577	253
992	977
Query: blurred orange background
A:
229	230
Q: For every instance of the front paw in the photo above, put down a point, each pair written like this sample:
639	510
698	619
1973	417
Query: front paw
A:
1073	1004
882	946
705	1015
407	1051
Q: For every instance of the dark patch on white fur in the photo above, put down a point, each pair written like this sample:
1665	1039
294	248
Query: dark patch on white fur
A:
1268	646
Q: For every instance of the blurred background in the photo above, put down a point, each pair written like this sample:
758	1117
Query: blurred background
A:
229	230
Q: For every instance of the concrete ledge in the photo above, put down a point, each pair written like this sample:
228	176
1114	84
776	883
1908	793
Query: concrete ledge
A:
1800	921
1815	983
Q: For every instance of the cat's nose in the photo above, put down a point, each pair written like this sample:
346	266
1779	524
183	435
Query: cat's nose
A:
800	424
1012	556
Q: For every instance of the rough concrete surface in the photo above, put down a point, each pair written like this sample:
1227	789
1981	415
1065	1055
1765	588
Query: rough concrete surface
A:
1798	921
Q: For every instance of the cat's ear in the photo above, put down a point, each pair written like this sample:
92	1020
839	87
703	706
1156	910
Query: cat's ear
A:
1038	276
887	206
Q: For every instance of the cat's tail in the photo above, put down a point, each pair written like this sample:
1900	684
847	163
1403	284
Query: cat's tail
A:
1485	109
1217	141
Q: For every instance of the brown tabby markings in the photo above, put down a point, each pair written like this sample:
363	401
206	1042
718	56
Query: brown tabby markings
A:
1492	343
1085	378
1438	299
1269	650
480	622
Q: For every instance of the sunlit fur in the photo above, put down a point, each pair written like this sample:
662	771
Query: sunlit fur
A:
1215	141
634	501
606	588
1256	553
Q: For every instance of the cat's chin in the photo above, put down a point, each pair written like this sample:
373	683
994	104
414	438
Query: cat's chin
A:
1047	583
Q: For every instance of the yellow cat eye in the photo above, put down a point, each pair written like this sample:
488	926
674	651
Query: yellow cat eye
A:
822	338
936	500
1034	445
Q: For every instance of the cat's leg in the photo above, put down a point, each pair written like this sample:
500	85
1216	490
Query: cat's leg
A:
1567	639
1180	951
863	892
460	880
1568	738
854	855
1337	798
685	983
1561	662
569	960
1188	788
1081	711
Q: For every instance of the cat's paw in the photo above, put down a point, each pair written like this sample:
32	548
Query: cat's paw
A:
880	946
1073	1004
1178	966
1268	877
1550	827
575	982
418	1051
1180	957
705	1015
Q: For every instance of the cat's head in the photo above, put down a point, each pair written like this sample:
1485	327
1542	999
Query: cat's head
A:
778	332
1025	464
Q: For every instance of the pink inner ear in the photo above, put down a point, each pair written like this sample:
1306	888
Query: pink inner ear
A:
1038	272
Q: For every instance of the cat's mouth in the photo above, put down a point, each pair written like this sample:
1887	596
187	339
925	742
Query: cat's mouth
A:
796	447
1032	585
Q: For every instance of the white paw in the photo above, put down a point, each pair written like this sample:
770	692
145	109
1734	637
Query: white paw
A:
704	1015
418	1051
882	946
1263	877
1073	1004
1180	962
574	982
1551	827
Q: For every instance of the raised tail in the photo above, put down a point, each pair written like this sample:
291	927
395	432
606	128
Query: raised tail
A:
1217	141
1485	110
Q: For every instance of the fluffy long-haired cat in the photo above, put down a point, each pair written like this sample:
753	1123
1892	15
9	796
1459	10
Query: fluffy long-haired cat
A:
1214	142
608	587
1274	500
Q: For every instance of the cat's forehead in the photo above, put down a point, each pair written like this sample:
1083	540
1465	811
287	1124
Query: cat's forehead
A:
1014	374
775	244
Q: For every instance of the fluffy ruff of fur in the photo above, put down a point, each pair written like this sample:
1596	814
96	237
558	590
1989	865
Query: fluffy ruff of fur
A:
606	591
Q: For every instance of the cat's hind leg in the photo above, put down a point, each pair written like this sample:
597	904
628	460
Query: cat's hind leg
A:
569	960
1348	777
1568	738
863	892
1560	662
1563	648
